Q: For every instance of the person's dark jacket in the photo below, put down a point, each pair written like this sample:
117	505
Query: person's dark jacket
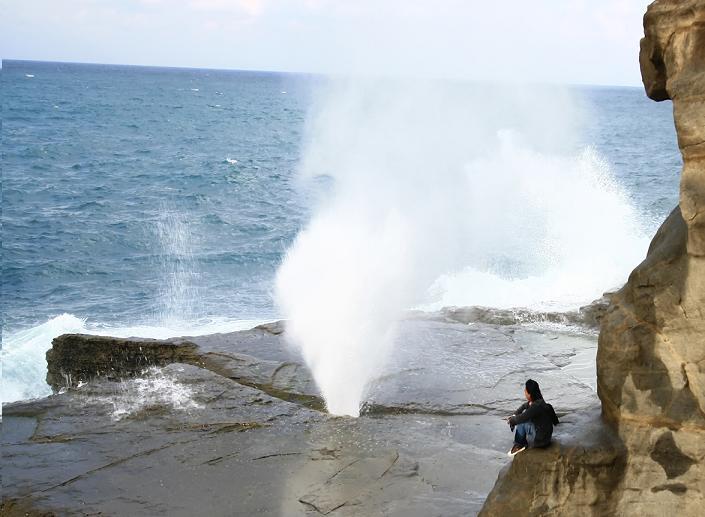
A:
541	415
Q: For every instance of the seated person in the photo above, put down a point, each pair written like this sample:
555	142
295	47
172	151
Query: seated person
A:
534	420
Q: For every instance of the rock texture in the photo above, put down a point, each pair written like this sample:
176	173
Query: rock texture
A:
231	424
651	355
651	351
74	359
577	475
587	317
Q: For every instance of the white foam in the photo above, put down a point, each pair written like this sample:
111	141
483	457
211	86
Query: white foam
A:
155	388
23	353
231	161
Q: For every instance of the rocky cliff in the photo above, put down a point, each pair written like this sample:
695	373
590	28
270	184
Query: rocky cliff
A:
651	352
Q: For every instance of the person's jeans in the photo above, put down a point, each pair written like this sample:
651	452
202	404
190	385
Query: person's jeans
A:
524	434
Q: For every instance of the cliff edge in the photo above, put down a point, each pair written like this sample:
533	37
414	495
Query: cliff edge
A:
650	455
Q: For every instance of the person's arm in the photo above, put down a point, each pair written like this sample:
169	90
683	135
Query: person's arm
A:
522	408
525	415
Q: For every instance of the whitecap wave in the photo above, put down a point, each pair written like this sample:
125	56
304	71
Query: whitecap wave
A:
569	233
23	355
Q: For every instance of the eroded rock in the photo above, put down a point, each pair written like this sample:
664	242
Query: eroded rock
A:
579	474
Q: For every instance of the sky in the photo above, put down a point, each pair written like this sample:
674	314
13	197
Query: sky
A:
555	41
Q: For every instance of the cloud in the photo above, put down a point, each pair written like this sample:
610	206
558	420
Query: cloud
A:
249	7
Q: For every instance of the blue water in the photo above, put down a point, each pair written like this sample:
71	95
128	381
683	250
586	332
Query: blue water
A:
637	137
146	196
104	165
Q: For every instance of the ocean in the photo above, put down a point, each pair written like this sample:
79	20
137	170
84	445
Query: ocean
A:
161	202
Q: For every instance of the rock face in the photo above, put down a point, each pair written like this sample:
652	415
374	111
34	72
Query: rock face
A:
651	355
651	364
577	475
76	358
651	351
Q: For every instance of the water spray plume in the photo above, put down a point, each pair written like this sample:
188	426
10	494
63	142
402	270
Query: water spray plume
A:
442	193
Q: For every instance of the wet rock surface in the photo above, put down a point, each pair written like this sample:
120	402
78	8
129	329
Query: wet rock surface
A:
239	429
586	317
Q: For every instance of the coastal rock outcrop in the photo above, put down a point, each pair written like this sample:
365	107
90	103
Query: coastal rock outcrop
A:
651	350
232	423
578	475
75	359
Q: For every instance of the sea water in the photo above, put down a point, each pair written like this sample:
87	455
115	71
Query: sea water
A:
159	202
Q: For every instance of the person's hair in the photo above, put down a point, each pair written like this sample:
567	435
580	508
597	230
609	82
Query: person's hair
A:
533	388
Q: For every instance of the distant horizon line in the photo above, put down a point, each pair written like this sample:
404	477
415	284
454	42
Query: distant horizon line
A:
290	72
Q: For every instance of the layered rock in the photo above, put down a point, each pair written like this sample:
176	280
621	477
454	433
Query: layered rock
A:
651	351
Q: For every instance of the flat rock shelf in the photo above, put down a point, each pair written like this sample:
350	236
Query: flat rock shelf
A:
232	423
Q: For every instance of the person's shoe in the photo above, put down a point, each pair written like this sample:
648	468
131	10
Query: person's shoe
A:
516	449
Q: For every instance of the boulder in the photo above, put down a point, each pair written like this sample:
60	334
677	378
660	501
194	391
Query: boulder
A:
77	358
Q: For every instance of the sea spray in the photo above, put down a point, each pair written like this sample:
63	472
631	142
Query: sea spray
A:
23	354
345	340
436	182
154	388
573	236
176	244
